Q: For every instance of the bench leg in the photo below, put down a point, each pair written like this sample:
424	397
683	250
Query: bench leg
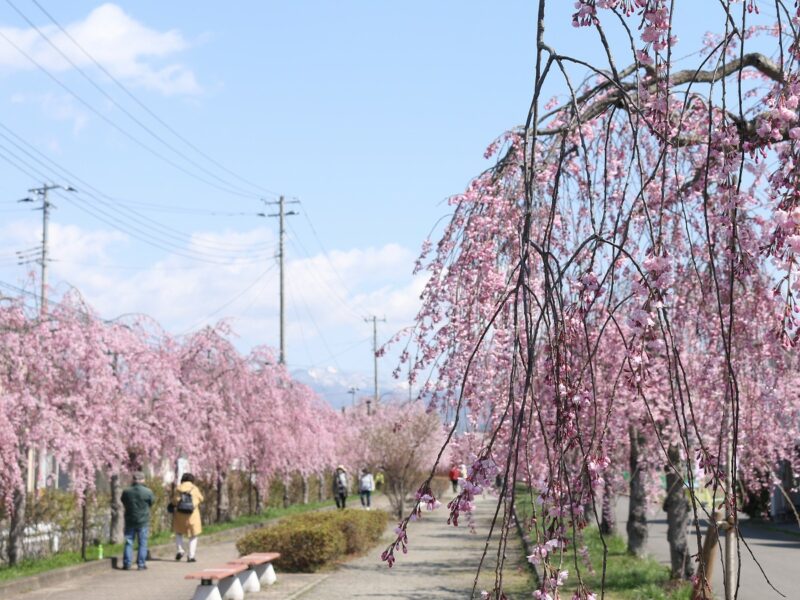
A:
266	574
206	592
249	581
231	589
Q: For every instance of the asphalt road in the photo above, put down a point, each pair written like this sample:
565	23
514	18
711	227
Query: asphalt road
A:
775	548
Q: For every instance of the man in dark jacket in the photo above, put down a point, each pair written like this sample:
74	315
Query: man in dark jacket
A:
137	501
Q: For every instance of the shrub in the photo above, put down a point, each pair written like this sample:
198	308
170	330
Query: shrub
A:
304	547
376	524
360	528
308	541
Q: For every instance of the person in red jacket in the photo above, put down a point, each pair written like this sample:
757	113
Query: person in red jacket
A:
455	473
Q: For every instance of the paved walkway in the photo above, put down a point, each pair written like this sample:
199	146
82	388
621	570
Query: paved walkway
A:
441	564
777	550
163	580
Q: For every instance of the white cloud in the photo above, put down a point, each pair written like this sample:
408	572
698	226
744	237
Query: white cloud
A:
58	107
327	296
128	49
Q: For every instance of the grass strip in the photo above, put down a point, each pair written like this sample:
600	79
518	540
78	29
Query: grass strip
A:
35	566
627	577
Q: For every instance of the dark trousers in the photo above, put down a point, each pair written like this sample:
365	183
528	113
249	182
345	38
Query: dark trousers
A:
455	484
127	551
365	494
341	498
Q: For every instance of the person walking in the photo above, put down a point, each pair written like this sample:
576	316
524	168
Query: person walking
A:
186	516
340	486
137	500
366	485
454	474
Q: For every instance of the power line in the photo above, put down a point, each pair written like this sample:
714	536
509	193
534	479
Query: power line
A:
133	231
62	172
147	109
325	252
310	268
319	331
153	238
111	99
340	353
123	131
231	301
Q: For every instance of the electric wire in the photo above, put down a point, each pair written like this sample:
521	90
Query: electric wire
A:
314	273
317	328
133	231
111	99
341	352
325	252
147	109
231	301
120	129
298	322
62	172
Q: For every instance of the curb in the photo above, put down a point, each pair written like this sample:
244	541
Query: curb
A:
51	577
526	541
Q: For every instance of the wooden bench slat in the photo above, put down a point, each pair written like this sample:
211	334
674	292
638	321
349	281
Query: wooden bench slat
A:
258	558
218	573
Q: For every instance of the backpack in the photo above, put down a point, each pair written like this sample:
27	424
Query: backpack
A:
341	482
185	503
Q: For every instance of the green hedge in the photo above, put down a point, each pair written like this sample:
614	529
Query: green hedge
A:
309	541
303	547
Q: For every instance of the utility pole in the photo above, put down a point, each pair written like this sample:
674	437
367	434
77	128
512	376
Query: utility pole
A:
25	257
352	391
374	320
42	193
282	214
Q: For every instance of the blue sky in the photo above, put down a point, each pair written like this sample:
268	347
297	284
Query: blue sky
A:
371	113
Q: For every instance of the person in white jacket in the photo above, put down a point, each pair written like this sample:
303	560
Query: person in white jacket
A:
366	485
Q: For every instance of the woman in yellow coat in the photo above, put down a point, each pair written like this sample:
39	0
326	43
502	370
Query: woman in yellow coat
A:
186	515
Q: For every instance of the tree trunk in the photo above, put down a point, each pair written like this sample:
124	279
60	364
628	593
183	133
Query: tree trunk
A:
223	499
305	489
321	487
608	522
250	492
84	526
637	508
259	501
400	500
115	532
677	507
16	528
286	493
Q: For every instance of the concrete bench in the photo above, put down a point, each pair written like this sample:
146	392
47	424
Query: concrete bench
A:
219	584
259	570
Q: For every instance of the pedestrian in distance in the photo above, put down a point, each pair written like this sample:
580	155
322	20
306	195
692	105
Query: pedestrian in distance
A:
137	500
186	520
366	485
454	474
379	479
340	486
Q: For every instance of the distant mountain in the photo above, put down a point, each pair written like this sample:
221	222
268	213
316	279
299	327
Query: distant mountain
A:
334	385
